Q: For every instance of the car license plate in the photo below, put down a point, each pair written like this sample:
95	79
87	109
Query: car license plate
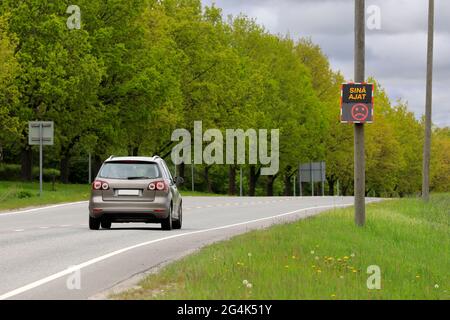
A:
128	192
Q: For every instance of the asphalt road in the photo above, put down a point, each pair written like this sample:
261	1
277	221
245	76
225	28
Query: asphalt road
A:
49	253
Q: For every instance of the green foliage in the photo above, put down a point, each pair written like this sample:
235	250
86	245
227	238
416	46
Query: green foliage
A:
139	69
11	172
9	95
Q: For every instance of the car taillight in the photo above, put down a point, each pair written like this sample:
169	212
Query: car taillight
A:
97	185
158	185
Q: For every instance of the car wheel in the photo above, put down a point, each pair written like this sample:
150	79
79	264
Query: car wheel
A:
94	223
167	223
106	224
177	223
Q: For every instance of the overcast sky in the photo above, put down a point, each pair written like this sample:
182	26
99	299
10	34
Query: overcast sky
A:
395	54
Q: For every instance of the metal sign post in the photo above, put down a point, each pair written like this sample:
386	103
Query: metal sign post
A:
40	133
40	158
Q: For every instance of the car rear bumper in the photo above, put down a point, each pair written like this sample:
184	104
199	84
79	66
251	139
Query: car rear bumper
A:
132	211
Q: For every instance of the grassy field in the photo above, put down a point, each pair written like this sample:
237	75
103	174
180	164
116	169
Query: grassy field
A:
325	257
14	195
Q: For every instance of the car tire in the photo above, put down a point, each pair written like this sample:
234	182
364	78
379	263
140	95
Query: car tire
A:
94	223
106	224
167	223
178	223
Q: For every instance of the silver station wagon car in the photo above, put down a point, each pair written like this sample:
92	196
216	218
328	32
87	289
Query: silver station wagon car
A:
135	189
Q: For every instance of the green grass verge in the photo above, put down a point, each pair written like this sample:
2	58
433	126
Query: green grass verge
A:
325	257
200	194
16	195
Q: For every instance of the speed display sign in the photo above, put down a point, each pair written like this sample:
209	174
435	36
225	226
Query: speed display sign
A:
357	103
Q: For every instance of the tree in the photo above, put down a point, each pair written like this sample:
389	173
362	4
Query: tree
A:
9	94
59	76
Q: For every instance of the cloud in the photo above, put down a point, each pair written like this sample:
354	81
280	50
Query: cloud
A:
395	54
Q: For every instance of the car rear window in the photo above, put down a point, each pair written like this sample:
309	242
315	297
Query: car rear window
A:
130	170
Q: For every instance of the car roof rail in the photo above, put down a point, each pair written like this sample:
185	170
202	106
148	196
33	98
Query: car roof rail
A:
110	158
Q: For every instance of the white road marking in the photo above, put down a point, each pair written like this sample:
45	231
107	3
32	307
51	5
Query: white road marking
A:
43	227
68	271
41	208
19	230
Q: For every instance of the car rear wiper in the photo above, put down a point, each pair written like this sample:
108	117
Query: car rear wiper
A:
139	178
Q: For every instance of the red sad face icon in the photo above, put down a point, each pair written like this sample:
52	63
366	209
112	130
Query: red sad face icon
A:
360	112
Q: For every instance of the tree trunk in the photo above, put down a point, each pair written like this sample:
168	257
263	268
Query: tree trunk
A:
287	185
207	180
135	151
27	163
232	180
64	167
344	189
269	185
97	164
180	172
252	181
331	183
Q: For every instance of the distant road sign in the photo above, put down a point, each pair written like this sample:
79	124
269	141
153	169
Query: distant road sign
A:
357	103
40	133
34	133
314	171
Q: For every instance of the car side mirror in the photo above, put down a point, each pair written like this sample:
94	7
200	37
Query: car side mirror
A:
178	180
